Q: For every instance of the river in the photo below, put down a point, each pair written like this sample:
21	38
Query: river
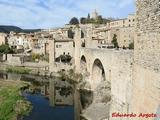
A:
51	98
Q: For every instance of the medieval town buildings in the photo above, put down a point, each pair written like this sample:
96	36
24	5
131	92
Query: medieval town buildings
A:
102	34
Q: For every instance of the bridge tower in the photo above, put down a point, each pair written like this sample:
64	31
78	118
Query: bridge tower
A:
78	43
89	37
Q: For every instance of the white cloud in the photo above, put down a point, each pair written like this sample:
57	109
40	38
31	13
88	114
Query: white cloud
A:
126	3
51	13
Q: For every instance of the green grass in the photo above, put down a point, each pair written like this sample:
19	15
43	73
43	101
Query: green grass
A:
11	101
18	70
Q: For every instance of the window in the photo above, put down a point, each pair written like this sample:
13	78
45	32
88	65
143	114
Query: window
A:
58	46
129	20
73	44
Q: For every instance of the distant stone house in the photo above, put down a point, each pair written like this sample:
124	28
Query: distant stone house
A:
64	47
18	41
3	38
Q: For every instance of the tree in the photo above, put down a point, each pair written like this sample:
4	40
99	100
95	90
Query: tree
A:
99	20
83	20
105	20
131	45
64	58
74	21
5	49
114	41
88	17
91	21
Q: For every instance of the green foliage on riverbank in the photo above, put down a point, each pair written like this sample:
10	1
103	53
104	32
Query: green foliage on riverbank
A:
131	46
5	49
42	57
70	75
18	70
12	103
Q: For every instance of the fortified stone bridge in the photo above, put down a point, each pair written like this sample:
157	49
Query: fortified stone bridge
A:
114	66
99	66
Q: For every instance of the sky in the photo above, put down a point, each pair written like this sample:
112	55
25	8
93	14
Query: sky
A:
31	14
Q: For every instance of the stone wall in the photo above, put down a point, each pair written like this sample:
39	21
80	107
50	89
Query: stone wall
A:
146	81
147	43
64	47
14	59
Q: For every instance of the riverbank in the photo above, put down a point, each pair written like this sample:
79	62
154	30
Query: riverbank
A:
5	68
63	94
12	104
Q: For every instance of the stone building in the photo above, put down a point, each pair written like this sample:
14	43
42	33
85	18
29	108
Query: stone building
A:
18	40
61	46
126	22
64	47
125	35
40	43
2	38
146	81
124	29
36	42
64	42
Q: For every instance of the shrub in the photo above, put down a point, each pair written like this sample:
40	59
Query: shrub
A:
5	49
18	70
35	56
70	75
131	45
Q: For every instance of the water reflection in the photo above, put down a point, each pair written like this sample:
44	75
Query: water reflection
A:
52	98
57	91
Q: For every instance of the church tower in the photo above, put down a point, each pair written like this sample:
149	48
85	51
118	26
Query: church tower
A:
94	15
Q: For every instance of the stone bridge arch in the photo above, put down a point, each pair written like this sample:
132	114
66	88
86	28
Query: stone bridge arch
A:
98	73
83	64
